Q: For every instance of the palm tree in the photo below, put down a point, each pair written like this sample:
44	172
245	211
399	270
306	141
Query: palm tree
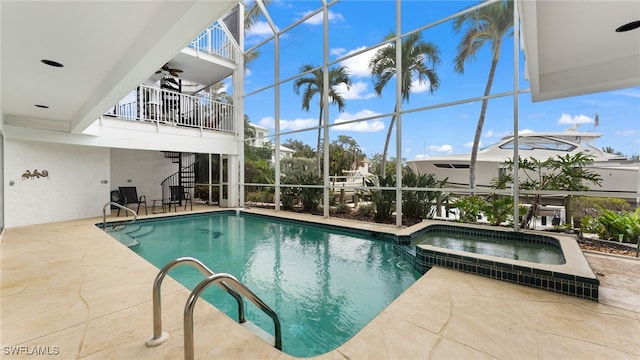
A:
250	18
416	55
487	25
313	83
218	92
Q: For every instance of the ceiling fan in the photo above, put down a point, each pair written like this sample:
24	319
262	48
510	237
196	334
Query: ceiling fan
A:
168	70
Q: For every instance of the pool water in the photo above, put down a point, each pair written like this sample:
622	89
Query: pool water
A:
324	285
537	252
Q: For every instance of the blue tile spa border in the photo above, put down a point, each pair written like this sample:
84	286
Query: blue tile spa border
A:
523	274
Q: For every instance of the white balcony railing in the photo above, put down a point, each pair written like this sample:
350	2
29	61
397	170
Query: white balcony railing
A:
172	108
214	41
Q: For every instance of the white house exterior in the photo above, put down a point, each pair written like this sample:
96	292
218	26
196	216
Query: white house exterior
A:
57	127
260	140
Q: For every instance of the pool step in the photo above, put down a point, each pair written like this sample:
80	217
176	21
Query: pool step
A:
257	331
121	235
139	231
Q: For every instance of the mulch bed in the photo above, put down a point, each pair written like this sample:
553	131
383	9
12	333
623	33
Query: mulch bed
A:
607	246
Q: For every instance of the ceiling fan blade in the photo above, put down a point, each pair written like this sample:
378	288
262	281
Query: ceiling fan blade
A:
173	72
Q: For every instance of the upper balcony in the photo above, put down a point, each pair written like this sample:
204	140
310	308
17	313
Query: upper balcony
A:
179	93
166	107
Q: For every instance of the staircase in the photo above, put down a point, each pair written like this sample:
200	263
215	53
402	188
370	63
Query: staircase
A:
185	177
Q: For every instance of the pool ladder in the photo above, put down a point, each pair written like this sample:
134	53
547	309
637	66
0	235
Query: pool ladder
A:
225	281
104	213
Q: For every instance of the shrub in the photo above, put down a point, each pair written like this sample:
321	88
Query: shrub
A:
366	210
383	200
582	206
307	196
470	208
341	208
288	197
263	196
499	209
625	226
420	204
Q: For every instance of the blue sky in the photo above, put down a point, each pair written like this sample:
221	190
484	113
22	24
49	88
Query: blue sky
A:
355	25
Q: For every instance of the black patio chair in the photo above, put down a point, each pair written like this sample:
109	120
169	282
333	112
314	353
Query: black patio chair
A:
178	195
129	195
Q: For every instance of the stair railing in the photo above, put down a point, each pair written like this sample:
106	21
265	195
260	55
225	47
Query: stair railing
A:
222	278
158	335
174	179
104	212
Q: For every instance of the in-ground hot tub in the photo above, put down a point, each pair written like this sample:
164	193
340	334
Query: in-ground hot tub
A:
557	265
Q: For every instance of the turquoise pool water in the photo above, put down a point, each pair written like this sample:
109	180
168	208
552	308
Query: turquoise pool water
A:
324	284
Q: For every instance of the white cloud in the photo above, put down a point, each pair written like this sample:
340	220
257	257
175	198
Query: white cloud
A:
567	119
418	87
495	134
441	148
358	90
626	133
421	156
629	92
359	65
318	18
257	32
361	126
288	125
337	51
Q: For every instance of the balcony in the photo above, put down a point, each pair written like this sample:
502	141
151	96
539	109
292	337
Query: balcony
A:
215	40
166	107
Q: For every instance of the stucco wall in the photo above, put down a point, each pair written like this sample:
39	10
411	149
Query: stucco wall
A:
73	190
140	168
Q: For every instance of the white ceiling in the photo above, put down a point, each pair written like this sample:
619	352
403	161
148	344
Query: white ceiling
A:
571	47
107	49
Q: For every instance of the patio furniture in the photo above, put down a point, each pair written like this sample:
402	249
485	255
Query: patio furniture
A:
178	195
129	195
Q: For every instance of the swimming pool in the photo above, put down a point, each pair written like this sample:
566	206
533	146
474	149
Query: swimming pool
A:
324	283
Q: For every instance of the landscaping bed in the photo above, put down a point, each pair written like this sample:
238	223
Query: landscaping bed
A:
607	246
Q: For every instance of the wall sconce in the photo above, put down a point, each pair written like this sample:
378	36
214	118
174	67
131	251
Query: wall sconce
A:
35	174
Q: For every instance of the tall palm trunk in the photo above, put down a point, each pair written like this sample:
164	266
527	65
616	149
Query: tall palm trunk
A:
483	112
383	163
319	136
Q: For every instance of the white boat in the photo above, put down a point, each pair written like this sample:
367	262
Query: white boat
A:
619	175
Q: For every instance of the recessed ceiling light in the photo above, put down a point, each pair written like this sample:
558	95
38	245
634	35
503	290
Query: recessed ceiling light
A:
42	106
630	26
51	63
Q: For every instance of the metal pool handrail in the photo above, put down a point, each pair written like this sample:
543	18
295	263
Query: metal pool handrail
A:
104	213
158	336
222	278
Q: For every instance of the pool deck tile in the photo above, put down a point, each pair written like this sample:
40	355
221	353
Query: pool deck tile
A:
70	286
